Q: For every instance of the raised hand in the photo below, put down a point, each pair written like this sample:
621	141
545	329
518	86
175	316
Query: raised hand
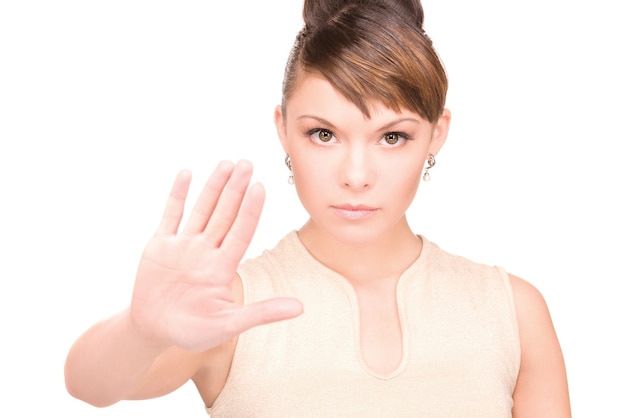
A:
183	293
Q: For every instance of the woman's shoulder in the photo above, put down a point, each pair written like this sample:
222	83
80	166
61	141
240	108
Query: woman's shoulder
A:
439	260
533	315
526	294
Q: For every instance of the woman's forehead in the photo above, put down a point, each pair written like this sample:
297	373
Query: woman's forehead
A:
313	94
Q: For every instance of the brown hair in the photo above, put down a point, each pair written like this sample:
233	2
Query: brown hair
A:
370	50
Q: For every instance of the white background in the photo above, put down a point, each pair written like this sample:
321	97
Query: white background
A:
102	103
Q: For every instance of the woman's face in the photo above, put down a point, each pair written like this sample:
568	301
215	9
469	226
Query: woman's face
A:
356	176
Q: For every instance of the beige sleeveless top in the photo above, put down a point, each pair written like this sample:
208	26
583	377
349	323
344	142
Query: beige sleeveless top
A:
461	348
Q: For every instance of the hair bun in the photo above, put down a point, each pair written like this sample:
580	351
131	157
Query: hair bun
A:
317	13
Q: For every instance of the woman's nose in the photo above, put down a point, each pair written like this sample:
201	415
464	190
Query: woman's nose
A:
357	168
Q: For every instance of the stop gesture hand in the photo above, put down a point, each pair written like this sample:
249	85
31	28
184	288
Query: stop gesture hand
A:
183	293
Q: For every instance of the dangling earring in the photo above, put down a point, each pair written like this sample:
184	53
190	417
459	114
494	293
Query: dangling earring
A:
431	163
288	164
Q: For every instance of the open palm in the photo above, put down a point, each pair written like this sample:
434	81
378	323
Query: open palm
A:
183	292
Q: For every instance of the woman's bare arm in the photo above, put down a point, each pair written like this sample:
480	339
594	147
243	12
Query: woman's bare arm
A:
541	389
111	360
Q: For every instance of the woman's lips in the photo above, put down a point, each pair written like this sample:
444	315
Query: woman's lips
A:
355	213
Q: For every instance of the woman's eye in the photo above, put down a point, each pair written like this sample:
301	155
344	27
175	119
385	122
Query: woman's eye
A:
322	135
393	138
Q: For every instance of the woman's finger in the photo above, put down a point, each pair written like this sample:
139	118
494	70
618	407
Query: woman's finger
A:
175	206
228	204
263	312
238	239
205	205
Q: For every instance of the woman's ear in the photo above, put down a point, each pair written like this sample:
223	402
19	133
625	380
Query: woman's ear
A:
281	129
440	132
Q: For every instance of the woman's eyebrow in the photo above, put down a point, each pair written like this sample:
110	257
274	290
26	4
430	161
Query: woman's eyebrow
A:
397	121
317	118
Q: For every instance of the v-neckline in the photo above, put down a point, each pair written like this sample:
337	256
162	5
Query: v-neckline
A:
351	292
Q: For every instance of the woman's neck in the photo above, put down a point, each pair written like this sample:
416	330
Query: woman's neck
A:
361	262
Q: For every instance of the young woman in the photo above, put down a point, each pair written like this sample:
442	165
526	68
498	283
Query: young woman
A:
353	314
